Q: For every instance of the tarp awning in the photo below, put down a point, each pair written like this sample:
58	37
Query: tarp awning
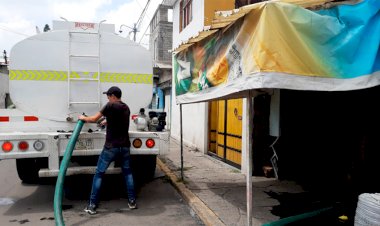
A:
279	44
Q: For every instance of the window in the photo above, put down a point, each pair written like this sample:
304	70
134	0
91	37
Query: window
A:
155	50
186	9
170	15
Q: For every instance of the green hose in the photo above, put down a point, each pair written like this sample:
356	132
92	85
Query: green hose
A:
62	173
295	218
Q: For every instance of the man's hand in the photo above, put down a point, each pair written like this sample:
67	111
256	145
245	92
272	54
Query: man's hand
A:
104	122
92	118
83	118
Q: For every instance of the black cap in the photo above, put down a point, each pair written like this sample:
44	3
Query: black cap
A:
114	90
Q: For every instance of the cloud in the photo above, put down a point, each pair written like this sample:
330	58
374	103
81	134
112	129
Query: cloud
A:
80	10
19	18
129	13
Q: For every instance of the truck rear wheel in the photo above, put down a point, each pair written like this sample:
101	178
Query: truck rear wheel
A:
27	169
143	167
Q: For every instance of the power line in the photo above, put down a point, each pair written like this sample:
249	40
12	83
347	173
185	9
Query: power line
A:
144	33
10	30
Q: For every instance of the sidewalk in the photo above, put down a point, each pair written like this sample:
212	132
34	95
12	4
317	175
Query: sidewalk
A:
217	191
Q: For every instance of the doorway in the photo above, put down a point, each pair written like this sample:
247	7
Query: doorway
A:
225	130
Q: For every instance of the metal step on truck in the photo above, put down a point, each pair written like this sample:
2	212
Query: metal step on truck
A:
55	76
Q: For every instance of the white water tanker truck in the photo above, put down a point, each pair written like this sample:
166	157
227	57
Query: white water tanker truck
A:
55	76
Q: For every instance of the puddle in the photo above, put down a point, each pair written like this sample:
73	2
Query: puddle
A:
47	218
6	201
24	221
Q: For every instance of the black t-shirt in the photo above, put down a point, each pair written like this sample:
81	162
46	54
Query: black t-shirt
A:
117	115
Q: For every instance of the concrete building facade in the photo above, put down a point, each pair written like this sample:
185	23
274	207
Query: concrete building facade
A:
160	44
195	116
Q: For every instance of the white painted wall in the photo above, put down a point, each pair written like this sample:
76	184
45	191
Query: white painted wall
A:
194	122
168	109
195	26
194	116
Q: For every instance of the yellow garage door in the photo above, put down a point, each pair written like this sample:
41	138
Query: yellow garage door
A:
225	129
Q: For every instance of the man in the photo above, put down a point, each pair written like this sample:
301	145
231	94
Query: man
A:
117	145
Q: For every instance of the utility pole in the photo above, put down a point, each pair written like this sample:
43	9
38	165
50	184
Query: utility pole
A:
5	57
136	26
134	30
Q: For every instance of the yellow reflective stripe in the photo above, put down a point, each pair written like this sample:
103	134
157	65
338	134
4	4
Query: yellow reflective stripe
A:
45	75
35	75
74	74
39	76
25	75
146	79
134	78
124	78
139	78
112	77
32	75
128	78
12	75
63	74
57	76
19	75
149	78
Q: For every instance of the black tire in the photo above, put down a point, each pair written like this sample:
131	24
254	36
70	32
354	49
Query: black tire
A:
27	169
150	167
143	167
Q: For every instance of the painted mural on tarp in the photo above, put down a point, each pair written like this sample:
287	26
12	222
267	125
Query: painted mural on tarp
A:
281	45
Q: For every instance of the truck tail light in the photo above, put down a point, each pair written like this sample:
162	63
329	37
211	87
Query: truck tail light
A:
30	118
137	143
38	145
150	143
23	145
4	119
7	146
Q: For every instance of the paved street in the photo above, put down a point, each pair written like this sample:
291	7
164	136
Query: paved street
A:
22	204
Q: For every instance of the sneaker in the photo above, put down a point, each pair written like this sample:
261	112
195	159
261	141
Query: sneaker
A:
90	209
132	204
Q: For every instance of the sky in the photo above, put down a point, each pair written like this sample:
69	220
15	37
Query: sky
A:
19	18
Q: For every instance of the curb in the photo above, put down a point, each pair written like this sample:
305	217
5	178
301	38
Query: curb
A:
208	217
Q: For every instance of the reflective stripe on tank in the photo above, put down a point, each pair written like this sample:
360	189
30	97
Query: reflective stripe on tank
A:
18	119
39	75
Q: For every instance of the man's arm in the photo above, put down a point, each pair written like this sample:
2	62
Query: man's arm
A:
92	118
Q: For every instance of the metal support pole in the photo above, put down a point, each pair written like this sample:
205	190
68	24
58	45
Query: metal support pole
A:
134	32
180	122
247	146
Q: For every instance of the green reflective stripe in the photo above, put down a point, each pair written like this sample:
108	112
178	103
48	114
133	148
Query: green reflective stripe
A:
113	77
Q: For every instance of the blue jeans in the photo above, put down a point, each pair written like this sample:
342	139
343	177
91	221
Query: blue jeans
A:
105	158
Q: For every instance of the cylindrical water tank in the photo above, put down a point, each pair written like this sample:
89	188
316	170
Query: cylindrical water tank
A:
368	210
41	65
